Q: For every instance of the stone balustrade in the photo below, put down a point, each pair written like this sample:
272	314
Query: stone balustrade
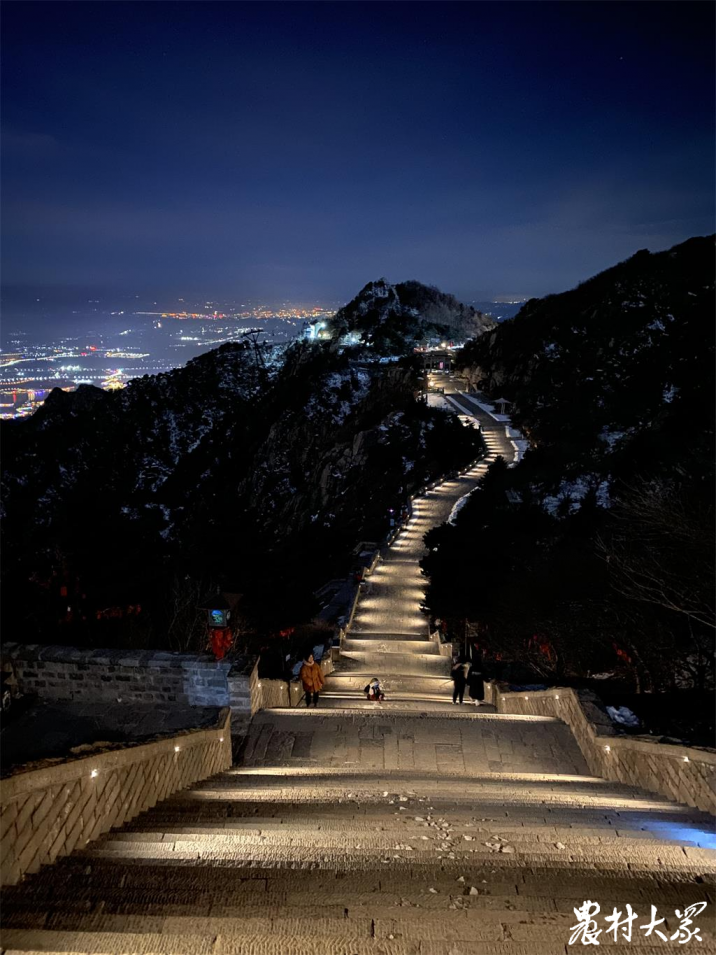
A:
685	774
445	648
47	812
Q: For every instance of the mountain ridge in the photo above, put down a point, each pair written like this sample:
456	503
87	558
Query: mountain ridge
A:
392	319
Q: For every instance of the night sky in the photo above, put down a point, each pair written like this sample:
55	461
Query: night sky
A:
298	150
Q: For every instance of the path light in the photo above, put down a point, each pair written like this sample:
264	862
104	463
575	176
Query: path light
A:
95	772
176	749
607	749
221	739
556	696
527	698
686	759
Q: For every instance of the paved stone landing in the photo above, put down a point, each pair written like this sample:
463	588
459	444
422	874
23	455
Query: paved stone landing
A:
376	741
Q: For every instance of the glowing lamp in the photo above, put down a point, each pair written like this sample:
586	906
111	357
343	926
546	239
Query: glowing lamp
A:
218	609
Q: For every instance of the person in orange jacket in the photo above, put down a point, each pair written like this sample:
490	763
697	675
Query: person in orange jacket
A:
312	679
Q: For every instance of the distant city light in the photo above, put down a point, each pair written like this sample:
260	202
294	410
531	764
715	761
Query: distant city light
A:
29	370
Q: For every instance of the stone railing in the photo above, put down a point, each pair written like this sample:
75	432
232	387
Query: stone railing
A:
48	812
352	609
68	674
685	774
445	648
244	688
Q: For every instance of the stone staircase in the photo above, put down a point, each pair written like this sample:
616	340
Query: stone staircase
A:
349	833
409	828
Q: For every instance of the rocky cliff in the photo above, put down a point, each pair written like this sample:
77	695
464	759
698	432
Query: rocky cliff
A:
392	319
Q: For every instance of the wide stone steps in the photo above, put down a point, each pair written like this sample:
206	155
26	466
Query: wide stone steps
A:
262	944
432	687
392	644
385	664
382	636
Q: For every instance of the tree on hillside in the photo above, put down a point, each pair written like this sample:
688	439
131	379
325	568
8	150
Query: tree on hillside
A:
661	551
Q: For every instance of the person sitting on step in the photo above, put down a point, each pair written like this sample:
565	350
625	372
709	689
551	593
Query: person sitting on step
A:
373	691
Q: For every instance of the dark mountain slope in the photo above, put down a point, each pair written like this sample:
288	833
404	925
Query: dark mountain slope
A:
596	553
616	375
220	472
392	319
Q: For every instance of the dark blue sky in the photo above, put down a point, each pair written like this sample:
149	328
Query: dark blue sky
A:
299	150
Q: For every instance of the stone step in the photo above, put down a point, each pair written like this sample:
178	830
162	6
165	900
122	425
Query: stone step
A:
406	851
500	878
358	633
421	839
89	943
395	667
170	829
456	924
373	644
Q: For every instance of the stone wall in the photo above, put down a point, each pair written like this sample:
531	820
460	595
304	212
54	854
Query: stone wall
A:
67	674
46	813
685	774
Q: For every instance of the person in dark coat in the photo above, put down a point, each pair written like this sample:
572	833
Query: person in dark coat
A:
459	678
476	682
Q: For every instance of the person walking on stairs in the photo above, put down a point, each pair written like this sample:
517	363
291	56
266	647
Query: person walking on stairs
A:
459	679
476	681
312	679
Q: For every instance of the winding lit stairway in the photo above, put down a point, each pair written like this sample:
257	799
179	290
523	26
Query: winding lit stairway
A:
412	828
389	637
